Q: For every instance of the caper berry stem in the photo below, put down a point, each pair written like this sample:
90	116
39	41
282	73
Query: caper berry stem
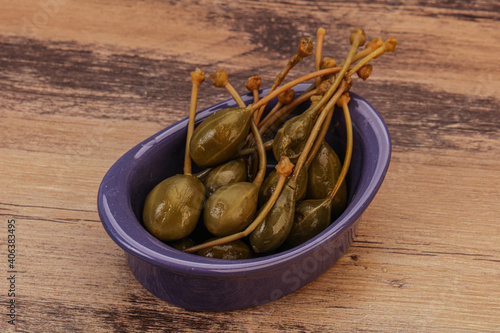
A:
388	46
343	101
235	95
329	107
272	118
197	77
277	115
320	37
255	95
283	169
275	119
293	83
371	46
284	98
253	85
327	62
357	38
259	178
304	50
250	150
221	79
203	174
319	139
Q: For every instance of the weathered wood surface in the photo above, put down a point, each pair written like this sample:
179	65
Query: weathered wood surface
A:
82	82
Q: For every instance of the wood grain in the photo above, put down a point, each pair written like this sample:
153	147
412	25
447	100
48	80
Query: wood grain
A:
83	82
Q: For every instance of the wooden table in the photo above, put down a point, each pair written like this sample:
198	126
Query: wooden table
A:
83	82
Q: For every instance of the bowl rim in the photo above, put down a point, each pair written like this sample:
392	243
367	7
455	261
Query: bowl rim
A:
190	264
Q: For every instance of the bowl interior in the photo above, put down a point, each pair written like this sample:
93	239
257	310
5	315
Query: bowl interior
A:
127	183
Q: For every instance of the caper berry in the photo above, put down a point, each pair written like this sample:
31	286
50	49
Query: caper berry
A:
233	250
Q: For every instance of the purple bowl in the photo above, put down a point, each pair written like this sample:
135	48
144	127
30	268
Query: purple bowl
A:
208	284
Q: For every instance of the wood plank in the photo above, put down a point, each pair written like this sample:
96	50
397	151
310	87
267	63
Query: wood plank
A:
83	82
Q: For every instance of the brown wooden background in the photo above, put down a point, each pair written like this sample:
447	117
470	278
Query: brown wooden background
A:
81	82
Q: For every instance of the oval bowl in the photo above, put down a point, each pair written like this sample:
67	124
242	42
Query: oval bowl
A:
208	284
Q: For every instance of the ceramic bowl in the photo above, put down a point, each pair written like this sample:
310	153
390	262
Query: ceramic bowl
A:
208	284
